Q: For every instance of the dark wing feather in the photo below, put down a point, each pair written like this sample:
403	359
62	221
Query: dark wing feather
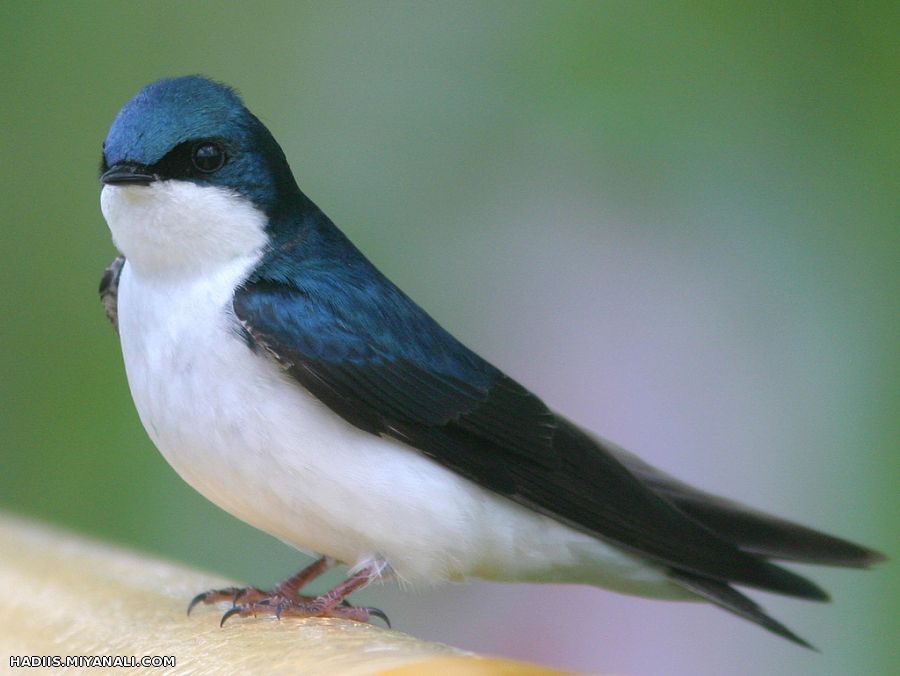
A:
109	290
752	530
361	346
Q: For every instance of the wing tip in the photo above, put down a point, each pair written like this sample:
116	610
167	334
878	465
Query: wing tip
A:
869	558
823	550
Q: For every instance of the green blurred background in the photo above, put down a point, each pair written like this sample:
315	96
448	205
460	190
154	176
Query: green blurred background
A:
678	222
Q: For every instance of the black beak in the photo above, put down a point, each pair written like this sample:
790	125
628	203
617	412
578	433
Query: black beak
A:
127	173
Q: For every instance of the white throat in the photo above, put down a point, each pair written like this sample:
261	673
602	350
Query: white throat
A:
178	227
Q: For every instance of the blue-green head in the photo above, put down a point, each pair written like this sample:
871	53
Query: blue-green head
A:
197	130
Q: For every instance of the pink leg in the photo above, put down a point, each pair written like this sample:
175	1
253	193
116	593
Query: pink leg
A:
292	587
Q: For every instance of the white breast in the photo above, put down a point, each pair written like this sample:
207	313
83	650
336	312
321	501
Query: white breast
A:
254	442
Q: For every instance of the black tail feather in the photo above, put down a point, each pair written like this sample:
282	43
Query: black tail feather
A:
787	582
733	601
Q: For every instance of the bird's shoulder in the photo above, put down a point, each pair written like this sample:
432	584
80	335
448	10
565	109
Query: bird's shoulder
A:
356	341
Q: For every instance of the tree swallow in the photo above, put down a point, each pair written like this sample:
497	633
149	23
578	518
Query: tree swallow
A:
291	383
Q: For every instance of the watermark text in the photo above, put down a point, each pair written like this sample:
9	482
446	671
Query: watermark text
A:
87	661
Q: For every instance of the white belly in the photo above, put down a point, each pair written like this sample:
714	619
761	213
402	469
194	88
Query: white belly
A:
261	447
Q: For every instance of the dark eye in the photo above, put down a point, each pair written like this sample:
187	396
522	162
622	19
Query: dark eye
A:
208	156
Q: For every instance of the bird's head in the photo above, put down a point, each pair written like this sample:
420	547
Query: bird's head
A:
190	176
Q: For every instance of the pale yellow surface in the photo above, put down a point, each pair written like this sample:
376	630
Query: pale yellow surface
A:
62	594
456	665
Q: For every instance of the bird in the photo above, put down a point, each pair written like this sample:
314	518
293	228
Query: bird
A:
291	383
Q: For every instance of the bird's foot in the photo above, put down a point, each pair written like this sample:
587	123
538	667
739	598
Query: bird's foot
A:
286	601
307	606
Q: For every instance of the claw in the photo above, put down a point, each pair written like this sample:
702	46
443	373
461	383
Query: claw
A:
214	595
228	613
379	614
194	601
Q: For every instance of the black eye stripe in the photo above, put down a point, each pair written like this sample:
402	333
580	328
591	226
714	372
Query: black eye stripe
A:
182	162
